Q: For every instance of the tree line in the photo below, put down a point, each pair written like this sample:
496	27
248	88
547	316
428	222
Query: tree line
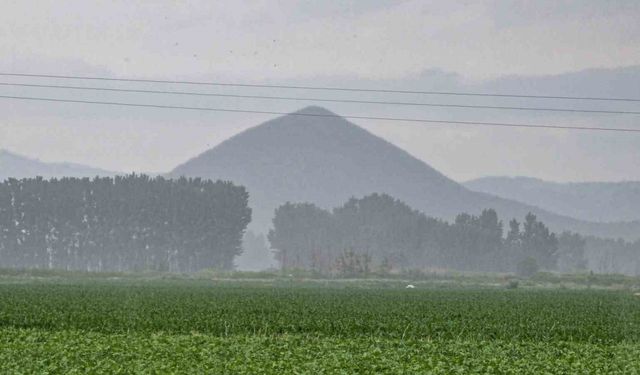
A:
135	222
612	255
124	223
378	232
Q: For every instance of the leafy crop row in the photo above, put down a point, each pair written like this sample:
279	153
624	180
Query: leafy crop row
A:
195	327
77	352
177	307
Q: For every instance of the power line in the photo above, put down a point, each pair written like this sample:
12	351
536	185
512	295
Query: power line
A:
542	109
351	89
351	117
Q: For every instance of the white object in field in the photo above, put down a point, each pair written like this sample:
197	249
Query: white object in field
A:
410	286
636	294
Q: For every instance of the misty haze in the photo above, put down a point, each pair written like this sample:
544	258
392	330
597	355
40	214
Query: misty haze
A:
316	187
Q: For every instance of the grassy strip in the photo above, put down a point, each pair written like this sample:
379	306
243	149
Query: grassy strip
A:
441	277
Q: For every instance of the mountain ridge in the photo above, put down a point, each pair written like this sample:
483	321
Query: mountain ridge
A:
590	201
13	165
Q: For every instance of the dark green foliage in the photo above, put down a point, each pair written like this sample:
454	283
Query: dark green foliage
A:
302	236
377	227
120	224
395	236
571	252
383	227
534	241
476	242
352	264
538	242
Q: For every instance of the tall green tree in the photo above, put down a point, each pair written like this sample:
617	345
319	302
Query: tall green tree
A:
539	243
302	235
571	248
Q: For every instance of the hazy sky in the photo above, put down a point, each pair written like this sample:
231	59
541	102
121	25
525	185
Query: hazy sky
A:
425	44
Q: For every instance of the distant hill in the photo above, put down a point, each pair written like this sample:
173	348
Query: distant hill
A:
622	82
326	160
16	166
591	201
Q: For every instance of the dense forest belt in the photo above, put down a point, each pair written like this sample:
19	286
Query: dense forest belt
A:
377	234
126	223
196	326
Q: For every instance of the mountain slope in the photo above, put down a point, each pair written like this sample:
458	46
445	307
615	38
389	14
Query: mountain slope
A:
592	201
326	160
16	166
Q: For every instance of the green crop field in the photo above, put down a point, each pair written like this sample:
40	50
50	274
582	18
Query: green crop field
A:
203	326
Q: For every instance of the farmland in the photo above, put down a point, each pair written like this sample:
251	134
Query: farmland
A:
196	326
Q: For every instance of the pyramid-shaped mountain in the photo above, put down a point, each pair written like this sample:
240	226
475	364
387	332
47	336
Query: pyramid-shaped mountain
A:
314	155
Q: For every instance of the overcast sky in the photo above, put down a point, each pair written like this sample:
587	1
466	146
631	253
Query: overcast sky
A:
465	45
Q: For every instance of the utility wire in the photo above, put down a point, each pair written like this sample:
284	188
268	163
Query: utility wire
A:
351	89
399	119
321	99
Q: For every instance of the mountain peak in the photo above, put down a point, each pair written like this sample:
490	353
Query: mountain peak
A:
309	121
315	110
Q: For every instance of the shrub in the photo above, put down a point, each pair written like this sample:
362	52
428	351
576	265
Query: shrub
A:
527	267
513	284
